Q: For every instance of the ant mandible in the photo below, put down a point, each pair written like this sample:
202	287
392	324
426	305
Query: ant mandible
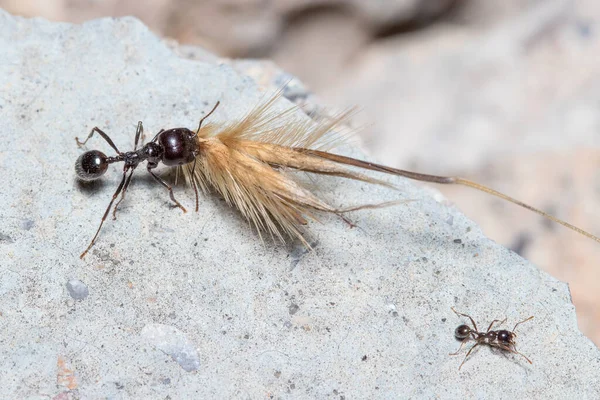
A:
502	339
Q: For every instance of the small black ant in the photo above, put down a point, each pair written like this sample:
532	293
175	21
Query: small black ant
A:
502	339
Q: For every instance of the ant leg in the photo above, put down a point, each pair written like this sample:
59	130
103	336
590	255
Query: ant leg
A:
512	349
206	116
525	320
194	183
106	212
169	188
122	193
104	136
461	345
522	355
493	322
139	131
465	315
469	352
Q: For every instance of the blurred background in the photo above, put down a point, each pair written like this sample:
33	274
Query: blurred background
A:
506	93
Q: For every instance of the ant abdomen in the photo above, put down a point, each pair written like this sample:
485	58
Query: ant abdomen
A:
462	332
91	165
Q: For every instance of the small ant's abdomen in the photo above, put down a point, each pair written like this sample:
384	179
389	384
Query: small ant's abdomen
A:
462	332
179	146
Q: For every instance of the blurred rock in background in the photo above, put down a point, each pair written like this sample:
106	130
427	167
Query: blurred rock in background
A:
504	93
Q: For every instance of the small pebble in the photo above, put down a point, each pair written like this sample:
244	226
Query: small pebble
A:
77	289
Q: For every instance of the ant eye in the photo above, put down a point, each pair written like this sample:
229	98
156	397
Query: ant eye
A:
462	332
91	165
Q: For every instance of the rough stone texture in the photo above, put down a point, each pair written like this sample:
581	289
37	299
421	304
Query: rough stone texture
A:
513	103
365	315
490	81
173	342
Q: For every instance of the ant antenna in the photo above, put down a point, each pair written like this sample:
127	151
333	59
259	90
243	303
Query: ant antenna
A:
206	116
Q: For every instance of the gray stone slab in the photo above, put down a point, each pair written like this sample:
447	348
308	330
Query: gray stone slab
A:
195	305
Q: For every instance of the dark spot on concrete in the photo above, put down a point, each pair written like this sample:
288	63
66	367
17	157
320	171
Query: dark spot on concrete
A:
5	238
457	241
298	252
364	358
27	224
293	309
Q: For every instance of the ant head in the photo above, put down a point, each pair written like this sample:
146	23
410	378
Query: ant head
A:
506	337
462	332
91	165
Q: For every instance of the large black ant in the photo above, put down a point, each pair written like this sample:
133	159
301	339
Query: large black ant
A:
502	339
172	147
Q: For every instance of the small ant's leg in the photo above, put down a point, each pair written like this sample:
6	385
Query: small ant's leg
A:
469	352
522	355
123	193
461	345
104	136
106	212
512	349
493	322
206	116
465	315
518	323
169	188
194	183
139	131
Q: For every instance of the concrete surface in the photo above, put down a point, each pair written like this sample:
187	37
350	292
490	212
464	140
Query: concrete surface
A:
194	305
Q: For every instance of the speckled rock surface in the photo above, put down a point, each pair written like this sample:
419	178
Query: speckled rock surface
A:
194	305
